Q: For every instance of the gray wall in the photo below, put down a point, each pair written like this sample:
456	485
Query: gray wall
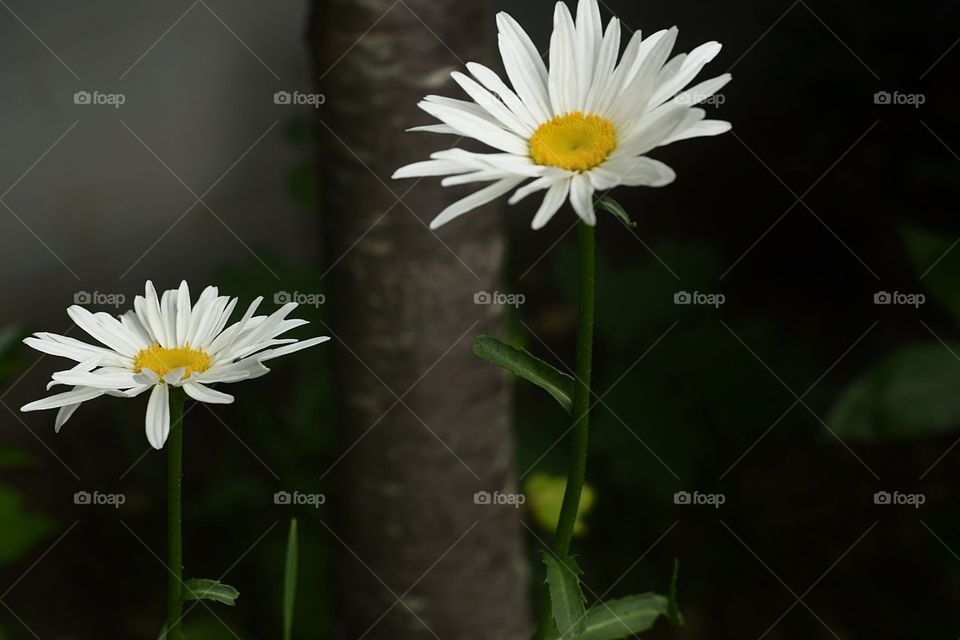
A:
99	199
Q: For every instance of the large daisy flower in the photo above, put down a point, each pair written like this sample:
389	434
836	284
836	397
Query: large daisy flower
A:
581	126
165	342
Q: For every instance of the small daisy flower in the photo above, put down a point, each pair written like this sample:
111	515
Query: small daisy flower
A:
581	126
165	342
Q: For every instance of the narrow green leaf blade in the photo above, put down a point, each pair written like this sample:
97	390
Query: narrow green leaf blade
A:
204	589
290	580
566	598
526	366
673	609
609	204
625	617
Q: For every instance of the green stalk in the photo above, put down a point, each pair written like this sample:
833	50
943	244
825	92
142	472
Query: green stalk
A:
576	474
175	515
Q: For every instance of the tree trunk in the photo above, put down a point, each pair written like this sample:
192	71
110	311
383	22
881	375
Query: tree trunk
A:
423	425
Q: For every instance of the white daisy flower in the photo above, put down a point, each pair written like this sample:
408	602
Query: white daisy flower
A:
164	342
582	126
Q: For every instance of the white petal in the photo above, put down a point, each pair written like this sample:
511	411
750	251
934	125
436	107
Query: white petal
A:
552	201
495	84
202	393
81	394
632	172
684	75
564	81
158	416
474	200
63	415
581	197
651	130
589	36
292	348
494	106
605	77
475	127
539	184
183	312
104	328
698	130
699	93
96	379
435	128
148	309
523	70
426	168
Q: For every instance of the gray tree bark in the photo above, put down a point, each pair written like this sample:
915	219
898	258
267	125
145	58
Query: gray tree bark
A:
424	425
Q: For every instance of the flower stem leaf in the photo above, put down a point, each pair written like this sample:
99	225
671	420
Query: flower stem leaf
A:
204	589
624	617
566	598
527	366
673	609
290	580
609	204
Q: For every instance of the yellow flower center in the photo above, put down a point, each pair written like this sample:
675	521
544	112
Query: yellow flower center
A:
163	360
576	142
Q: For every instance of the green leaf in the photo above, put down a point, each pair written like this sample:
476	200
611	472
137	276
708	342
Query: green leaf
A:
290	580
624	617
526	366
609	204
204	589
937	263
673	609
566	598
912	393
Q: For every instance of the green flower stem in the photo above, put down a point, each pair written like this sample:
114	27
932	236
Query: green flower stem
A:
581	410
175	515
581	395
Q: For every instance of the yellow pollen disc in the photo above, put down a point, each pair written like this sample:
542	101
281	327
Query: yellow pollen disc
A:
162	360
576	142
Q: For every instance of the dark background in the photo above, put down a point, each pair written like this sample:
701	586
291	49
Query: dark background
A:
797	400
